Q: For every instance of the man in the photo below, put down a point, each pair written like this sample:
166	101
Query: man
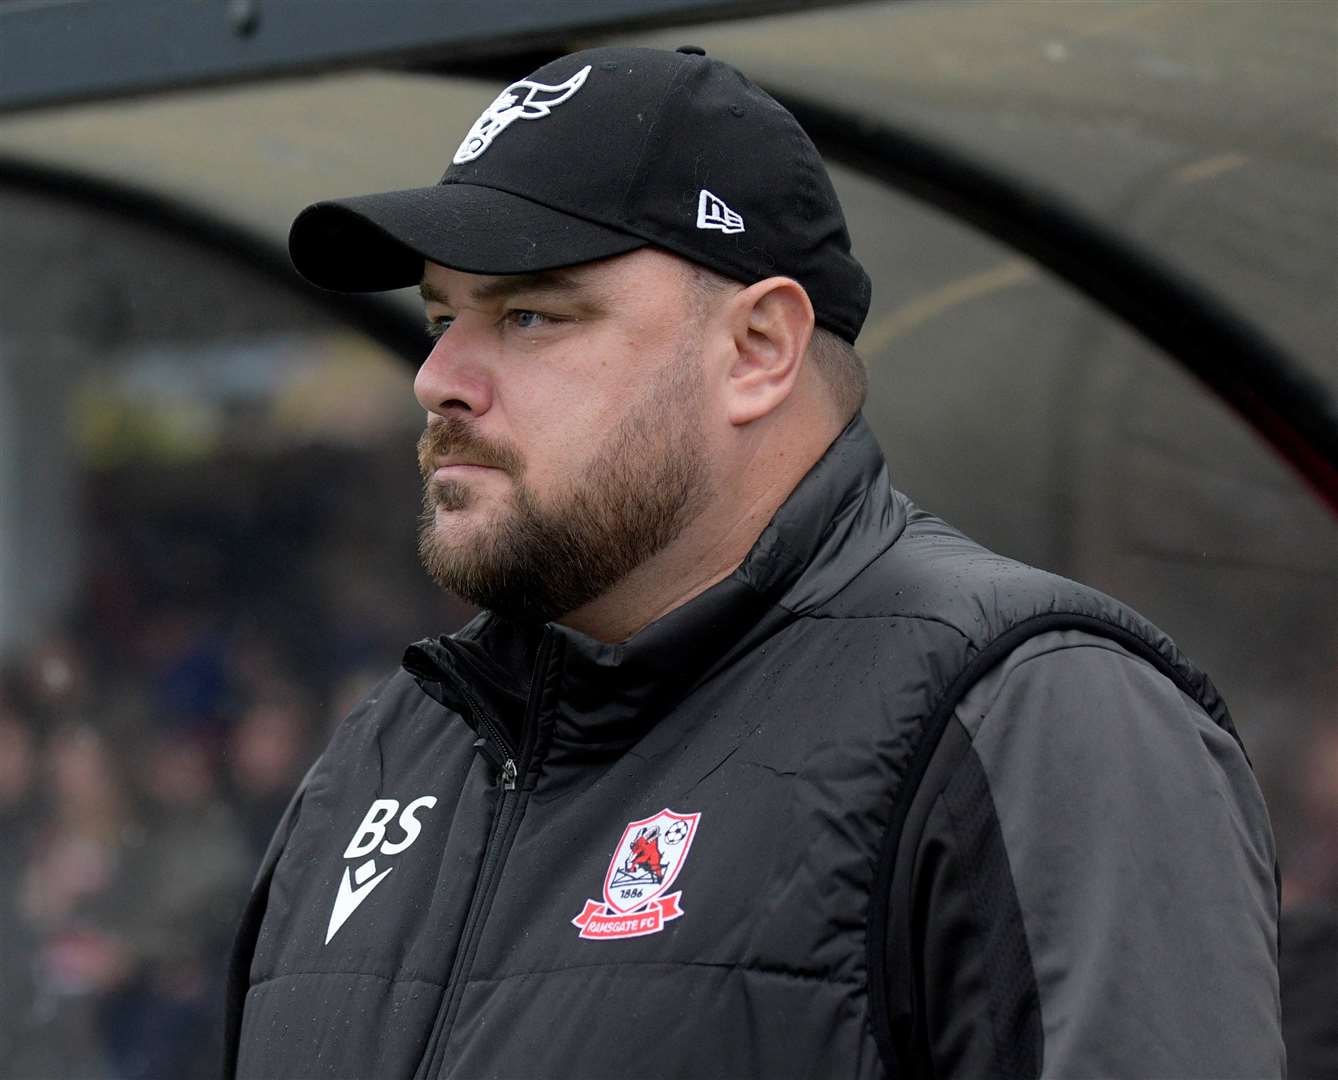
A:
749	766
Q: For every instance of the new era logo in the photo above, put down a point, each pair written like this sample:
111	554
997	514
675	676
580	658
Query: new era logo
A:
712	213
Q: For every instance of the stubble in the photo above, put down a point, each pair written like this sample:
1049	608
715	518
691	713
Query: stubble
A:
538	561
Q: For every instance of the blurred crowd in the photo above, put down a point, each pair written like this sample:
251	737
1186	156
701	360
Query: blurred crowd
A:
230	615
148	748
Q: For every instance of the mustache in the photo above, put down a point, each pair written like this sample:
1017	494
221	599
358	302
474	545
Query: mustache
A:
454	437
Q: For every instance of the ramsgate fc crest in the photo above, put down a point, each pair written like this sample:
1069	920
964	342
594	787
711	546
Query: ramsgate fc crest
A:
645	863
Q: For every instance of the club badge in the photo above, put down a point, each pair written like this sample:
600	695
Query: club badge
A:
645	864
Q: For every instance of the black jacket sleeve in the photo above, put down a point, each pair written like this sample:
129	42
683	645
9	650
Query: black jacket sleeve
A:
1091	887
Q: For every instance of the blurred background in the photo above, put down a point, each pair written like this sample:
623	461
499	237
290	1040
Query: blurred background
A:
207	483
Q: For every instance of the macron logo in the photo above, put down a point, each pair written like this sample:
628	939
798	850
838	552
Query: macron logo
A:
712	213
348	898
371	836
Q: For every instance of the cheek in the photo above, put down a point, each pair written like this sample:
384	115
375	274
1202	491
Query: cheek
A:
550	424
562	414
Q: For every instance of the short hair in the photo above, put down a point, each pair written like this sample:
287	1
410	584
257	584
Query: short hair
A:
837	362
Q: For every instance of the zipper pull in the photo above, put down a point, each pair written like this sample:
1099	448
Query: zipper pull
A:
498	760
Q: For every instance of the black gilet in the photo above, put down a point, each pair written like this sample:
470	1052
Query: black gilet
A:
766	739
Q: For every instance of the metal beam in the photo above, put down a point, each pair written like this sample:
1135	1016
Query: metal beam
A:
55	52
1293	411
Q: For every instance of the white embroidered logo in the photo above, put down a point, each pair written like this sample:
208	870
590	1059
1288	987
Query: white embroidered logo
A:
369	837
712	213
523	100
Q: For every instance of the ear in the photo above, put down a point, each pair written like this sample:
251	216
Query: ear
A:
771	322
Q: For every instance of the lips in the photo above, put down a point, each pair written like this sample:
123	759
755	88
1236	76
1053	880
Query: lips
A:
452	445
457	469
458	463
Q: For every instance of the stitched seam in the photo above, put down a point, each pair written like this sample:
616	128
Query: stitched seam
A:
889	617
637	178
806	976
1109	646
361	974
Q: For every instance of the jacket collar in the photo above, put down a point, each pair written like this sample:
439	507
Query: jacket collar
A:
840	517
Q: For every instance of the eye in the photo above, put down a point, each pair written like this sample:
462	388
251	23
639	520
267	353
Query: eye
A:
523	319
438	326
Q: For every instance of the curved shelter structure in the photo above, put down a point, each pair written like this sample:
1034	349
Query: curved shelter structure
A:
207	489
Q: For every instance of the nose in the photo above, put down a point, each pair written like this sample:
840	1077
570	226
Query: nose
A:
453	381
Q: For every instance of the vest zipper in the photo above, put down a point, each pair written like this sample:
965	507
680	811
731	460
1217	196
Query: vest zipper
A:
501	836
494	745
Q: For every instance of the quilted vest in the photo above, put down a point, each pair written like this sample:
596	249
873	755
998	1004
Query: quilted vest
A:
531	854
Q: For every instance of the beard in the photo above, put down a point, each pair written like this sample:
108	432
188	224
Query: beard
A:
537	561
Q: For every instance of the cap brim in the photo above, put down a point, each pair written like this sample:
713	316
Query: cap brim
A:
370	243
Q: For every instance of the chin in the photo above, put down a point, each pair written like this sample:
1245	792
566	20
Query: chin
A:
453	528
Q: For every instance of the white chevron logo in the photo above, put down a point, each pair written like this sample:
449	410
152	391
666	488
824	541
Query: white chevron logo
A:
348	898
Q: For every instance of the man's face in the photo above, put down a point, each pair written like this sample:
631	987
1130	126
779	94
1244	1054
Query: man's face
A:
566	441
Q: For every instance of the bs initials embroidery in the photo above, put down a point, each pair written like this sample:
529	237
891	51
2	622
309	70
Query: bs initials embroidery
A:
356	886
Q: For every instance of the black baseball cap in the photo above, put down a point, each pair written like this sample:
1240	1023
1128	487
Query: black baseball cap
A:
599	153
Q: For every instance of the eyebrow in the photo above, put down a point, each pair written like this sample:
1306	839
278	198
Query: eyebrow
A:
541	281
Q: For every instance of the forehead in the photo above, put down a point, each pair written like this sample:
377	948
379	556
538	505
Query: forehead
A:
643	273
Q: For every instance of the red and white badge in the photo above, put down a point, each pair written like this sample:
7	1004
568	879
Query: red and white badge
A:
645	863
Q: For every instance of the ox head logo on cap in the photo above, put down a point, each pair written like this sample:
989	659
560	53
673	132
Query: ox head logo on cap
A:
523	100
